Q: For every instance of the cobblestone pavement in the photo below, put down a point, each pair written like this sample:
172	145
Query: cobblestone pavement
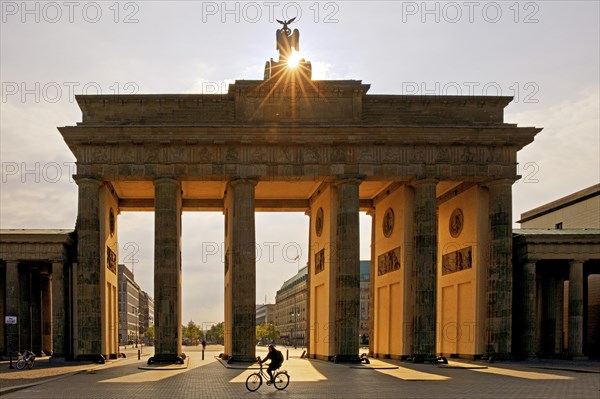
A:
316	379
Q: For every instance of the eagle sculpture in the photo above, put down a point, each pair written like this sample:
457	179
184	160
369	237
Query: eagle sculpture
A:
287	40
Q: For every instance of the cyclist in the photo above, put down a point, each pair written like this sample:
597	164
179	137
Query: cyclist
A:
276	361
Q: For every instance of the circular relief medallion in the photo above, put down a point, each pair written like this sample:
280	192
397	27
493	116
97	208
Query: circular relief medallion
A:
319	222
111	221
456	222
388	222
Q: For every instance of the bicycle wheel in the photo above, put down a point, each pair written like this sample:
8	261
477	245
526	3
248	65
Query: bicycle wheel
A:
281	380
30	363
253	382
21	364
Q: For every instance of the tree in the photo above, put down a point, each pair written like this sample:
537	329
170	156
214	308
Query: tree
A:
267	332
150	335
216	333
191	333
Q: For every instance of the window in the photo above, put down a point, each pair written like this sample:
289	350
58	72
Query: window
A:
558	226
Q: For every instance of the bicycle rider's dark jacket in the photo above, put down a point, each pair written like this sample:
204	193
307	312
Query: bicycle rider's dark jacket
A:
276	359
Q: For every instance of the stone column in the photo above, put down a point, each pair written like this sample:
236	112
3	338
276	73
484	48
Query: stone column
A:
46	315
36	314
241	244
576	281
424	273
167	270
529	318
89	321
347	275
372	274
310	264
59	320
549	318
13	295
25	332
499	295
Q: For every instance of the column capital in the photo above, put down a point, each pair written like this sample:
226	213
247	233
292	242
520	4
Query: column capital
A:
577	261
166	180
498	182
238	181
347	179
83	179
418	182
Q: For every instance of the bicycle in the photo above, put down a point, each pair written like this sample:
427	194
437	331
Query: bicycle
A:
255	380
27	359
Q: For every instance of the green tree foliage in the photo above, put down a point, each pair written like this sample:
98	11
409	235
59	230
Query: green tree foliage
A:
267	332
192	333
216	333
150	334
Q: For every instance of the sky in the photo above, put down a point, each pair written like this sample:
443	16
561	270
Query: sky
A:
543	53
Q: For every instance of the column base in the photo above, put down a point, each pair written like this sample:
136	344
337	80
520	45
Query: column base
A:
166	359
493	357
346	359
97	358
429	358
241	359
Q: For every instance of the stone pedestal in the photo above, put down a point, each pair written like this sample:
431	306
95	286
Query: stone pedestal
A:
424	273
88	313
529	318
576	282
240	271
167	270
59	320
13	295
347	276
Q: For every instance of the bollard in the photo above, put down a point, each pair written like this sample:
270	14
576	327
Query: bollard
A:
202	354
139	354
287	354
10	366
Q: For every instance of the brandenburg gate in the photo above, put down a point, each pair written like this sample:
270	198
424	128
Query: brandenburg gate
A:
434	172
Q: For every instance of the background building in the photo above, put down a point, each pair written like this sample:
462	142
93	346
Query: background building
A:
290	310
129	307
365	296
291	303
146	314
557	278
265	313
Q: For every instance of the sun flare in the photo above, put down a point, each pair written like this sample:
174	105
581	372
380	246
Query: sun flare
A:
294	59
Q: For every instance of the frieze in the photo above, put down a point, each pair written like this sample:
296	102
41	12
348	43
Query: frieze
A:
300	160
388	262
456	261
111	260
338	155
311	155
284	155
402	155
232	155
320	261
366	155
